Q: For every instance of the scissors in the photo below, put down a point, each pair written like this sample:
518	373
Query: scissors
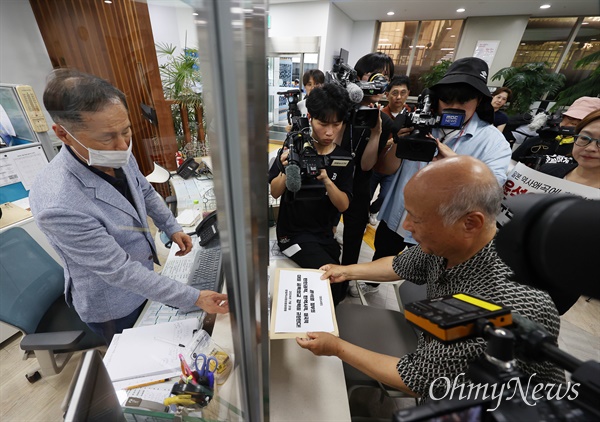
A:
205	369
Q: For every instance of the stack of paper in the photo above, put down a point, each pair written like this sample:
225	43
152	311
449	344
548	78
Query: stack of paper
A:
151	350
189	217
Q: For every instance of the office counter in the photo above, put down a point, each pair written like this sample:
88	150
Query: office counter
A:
302	386
305	387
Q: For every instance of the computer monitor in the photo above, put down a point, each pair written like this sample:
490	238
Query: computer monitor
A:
92	396
344	55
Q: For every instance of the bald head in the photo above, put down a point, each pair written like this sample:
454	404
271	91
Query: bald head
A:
456	186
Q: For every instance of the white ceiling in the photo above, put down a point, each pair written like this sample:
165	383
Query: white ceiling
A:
366	10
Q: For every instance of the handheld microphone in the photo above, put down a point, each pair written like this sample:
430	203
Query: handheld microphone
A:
354	92
293	181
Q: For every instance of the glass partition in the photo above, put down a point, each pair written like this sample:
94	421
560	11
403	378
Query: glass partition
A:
586	42
235	95
561	42
416	47
544	40
216	52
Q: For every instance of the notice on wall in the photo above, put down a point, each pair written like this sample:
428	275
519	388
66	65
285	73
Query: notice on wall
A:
486	51
21	165
302	302
523	179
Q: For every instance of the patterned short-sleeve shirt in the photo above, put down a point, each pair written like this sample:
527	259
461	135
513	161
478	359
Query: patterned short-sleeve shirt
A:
484	275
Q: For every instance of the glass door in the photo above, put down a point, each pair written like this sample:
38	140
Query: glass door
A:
285	80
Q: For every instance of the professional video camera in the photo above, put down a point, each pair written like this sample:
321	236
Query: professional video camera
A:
360	116
418	146
305	164
292	97
552	128
526	244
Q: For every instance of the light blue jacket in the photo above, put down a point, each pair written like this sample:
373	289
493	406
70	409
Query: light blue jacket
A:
479	139
105	244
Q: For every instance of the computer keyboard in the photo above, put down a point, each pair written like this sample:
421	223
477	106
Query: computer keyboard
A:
204	272
207	269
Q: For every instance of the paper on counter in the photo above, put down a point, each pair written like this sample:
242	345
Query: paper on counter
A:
302	302
137	353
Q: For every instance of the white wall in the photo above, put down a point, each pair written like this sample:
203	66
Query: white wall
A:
171	24
339	35
23	56
508	29
320	18
302	20
363	39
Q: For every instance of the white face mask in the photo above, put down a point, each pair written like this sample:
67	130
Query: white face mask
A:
104	158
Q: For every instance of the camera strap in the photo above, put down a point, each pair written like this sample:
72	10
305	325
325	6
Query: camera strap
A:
352	149
451	134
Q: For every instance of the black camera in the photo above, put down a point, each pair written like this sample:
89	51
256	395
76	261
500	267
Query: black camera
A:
552	129
418	146
526	245
303	154
498	389
305	164
361	117
292	97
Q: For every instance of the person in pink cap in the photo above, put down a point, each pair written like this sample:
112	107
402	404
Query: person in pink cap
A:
556	146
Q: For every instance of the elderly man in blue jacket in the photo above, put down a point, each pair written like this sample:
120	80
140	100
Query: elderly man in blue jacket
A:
92	203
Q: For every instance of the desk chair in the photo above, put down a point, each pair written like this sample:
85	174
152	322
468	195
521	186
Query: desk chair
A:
381	330
32	300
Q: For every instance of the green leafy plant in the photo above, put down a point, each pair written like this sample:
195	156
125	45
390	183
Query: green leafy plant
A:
529	83
588	87
436	73
181	79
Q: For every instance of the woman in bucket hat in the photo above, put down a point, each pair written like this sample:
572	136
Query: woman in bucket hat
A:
463	87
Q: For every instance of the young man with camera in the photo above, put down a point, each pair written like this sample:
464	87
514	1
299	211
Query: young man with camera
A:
464	89
304	225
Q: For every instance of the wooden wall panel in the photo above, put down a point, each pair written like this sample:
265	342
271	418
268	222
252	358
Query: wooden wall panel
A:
115	42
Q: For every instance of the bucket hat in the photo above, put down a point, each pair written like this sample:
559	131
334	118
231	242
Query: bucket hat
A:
468	70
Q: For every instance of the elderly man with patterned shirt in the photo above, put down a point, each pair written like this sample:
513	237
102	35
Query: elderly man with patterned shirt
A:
451	204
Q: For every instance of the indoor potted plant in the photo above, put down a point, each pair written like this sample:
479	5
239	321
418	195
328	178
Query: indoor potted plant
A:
529	83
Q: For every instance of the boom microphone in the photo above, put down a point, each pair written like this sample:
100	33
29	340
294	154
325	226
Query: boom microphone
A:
354	92
293	181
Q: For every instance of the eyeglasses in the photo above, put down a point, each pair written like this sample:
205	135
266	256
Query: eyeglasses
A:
398	93
584	141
